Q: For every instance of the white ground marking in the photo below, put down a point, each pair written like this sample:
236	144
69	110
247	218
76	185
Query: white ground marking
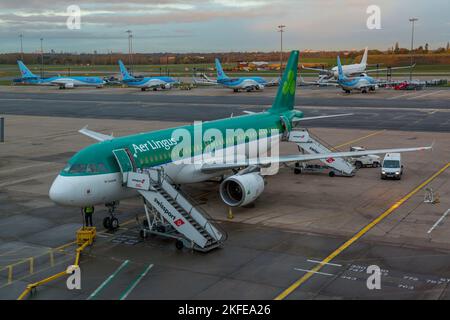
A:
10	183
135	283
400	96
26	167
310	271
439	221
327	263
425	95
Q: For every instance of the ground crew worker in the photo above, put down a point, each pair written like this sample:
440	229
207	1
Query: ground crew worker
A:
88	211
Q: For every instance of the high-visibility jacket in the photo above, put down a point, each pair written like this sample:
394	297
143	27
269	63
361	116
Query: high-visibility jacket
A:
88	210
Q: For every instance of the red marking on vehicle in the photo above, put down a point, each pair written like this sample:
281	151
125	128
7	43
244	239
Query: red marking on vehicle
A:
179	222
330	160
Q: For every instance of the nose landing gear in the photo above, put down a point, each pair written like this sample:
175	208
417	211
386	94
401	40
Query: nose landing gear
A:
111	223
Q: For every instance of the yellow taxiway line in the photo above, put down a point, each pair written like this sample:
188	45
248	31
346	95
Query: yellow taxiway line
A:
357	236
359	139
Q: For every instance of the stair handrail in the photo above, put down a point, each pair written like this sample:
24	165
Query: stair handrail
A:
196	205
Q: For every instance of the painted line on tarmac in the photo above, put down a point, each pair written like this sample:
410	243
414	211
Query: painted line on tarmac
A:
439	221
108	280
18	181
424	95
400	96
358	235
358	139
316	272
327	263
135	283
26	167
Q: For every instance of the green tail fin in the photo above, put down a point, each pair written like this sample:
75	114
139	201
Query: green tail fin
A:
285	98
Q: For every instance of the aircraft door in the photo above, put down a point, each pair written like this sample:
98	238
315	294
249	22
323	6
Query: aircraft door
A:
125	161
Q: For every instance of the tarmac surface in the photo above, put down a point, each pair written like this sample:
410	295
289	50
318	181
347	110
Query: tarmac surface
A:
297	222
425	110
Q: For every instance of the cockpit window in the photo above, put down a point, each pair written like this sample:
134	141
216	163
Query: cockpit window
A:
78	168
91	168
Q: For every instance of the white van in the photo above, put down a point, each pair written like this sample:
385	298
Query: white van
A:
392	166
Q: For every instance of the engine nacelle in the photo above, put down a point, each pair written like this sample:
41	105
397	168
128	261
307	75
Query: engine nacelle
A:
69	85
241	190
260	87
167	86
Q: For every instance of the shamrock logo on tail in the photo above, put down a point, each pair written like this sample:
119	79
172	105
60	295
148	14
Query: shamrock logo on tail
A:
289	84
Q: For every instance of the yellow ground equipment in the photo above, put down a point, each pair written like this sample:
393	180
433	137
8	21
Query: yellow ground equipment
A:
86	234
85	237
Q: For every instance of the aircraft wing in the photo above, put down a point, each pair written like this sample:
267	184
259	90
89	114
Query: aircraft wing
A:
266	161
95	135
387	69
322	71
295	119
63	82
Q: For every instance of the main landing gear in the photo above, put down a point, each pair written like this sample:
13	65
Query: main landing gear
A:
111	222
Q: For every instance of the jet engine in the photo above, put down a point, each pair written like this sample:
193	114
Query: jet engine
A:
260	87
69	85
241	190
167	86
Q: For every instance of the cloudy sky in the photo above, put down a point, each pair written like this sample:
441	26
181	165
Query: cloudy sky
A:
219	25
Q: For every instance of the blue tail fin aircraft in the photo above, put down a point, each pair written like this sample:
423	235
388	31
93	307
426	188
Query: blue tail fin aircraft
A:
244	83
362	83
29	77
145	83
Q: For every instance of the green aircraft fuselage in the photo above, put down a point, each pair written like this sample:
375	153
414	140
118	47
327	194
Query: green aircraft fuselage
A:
93	175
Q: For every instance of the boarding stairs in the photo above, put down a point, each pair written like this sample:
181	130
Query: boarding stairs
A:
172	213
313	145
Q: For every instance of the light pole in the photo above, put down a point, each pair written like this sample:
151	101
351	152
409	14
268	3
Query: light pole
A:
281	30
42	58
412	20
130	49
21	46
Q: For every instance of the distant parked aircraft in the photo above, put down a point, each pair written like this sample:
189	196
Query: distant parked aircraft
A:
145	83
63	82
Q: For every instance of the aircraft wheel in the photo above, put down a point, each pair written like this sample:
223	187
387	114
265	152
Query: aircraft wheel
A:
107	223
358	164
114	223
331	174
179	244
142	89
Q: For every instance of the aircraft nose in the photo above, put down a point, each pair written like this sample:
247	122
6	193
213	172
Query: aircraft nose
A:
60	191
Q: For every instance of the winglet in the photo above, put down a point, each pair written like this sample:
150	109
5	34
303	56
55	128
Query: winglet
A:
95	135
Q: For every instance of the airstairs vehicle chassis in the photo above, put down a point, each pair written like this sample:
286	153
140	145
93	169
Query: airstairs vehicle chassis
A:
308	144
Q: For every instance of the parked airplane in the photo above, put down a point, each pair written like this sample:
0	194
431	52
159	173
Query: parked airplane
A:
244	83
350	70
362	83
145	83
98	173
63	82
